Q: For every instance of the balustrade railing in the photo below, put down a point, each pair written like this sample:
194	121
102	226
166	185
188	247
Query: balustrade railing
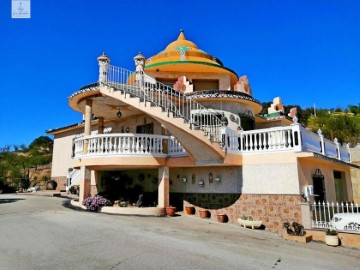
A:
262	140
289	138
180	105
342	216
127	144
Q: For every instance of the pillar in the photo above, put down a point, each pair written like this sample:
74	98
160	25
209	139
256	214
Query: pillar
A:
163	187
93	182
85	180
103	61
87	127
101	125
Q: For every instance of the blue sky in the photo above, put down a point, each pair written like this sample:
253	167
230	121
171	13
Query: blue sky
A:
306	52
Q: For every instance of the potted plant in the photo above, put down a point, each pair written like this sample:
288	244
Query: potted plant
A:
170	210
249	222
295	232
331	238
94	203
204	213
190	210
222	218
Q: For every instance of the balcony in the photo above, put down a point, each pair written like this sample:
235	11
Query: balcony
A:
292	138
127	145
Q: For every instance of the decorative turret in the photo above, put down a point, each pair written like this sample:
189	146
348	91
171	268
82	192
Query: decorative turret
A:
139	62
104	61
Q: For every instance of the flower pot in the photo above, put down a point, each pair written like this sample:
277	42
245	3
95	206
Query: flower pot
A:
222	218
250	223
204	213
332	240
190	210
170	211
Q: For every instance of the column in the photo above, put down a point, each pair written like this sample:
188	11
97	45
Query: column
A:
321	136
93	182
87	127
163	187
101	125
85	180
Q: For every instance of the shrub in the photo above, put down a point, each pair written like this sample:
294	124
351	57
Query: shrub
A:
331	232
51	185
294	229
93	203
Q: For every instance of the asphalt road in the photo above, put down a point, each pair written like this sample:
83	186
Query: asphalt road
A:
42	233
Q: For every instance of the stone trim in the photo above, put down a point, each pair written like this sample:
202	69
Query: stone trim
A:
273	210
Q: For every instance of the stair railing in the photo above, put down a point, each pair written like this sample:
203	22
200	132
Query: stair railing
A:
141	85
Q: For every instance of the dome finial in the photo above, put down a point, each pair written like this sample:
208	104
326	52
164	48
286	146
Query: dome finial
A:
181	36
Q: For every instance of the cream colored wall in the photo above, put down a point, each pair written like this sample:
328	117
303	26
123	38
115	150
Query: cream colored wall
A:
224	79
270	179
132	123
307	167
270	173
230	180
62	151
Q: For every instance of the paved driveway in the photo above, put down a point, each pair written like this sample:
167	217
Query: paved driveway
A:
41	233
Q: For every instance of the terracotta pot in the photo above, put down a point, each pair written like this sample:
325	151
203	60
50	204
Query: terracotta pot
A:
222	218
332	240
190	210
204	213
170	211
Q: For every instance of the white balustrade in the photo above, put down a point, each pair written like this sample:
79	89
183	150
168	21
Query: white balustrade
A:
262	140
289	138
344	216
127	144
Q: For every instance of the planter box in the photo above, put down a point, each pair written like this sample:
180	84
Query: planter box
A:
301	239
332	240
250	223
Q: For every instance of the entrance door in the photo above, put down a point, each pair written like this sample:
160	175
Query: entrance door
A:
319	186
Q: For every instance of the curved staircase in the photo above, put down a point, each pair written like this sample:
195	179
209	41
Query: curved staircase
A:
197	128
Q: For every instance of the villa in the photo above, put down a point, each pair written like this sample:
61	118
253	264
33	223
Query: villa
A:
184	130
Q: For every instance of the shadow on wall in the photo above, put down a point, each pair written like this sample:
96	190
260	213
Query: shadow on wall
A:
204	200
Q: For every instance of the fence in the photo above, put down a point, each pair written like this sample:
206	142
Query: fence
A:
344	216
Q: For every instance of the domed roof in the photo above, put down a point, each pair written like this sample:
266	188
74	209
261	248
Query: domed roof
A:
181	42
184	56
182	50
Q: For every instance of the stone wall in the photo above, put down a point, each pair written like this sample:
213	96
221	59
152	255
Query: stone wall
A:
273	210
61	182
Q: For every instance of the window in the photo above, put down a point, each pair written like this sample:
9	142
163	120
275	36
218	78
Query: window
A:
340	186
145	129
200	85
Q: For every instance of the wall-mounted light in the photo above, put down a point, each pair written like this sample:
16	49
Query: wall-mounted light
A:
201	183
127	130
184	179
210	178
119	114
217	179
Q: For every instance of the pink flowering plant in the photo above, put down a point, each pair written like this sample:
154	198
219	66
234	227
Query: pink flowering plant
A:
93	203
